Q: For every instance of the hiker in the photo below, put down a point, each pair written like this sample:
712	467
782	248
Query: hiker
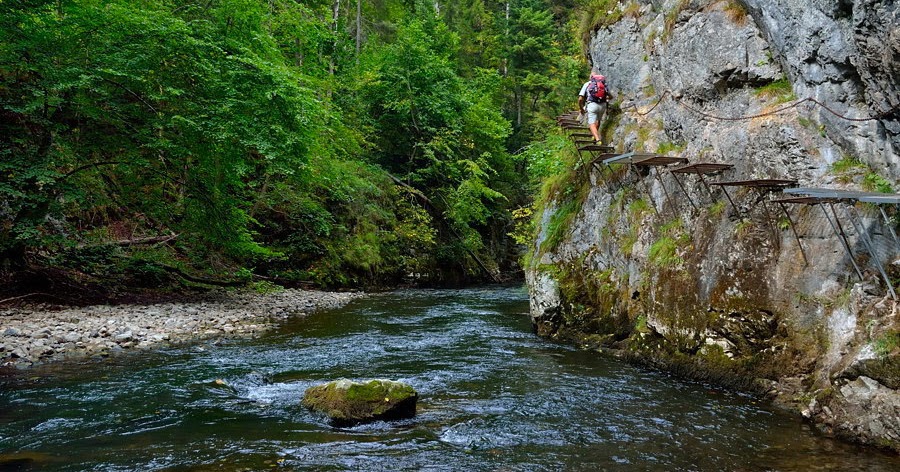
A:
592	99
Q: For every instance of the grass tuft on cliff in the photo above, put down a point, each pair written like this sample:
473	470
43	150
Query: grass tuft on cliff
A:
671	18
736	12
595	14
664	252
780	91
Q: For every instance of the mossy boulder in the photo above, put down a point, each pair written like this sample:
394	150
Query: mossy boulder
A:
347	402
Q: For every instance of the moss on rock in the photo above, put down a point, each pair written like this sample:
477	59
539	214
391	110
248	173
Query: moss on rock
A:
347	402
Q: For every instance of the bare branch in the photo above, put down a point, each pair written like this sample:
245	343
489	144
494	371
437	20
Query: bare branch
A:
20	297
91	165
135	95
133	242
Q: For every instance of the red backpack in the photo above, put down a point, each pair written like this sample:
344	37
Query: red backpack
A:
596	90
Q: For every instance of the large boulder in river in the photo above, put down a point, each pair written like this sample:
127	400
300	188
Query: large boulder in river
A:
348	402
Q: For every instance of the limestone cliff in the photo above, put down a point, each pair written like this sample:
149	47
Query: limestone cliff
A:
669	272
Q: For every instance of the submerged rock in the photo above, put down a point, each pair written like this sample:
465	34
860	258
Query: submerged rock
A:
347	402
27	460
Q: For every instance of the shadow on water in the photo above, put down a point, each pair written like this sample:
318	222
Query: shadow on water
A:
493	397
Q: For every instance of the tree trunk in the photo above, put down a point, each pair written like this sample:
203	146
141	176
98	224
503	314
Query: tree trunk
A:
298	54
335	13
519	94
358	28
506	33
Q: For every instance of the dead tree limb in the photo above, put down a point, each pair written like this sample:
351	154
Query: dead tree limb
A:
133	242
200	280
21	297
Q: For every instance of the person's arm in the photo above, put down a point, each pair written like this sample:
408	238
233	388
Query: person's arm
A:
581	98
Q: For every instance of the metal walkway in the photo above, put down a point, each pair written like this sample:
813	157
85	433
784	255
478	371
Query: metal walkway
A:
766	189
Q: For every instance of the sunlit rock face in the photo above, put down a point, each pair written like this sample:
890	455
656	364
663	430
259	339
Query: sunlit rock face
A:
715	285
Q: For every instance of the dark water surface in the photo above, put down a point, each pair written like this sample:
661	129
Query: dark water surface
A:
493	397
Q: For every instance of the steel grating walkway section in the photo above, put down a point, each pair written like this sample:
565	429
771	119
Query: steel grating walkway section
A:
764	188
653	162
830	197
700	169
583	141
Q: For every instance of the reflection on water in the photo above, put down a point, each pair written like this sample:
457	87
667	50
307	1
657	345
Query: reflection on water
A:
492	397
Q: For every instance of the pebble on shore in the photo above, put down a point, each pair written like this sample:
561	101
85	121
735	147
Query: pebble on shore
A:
39	334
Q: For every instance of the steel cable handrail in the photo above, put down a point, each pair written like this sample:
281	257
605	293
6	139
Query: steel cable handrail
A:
679	101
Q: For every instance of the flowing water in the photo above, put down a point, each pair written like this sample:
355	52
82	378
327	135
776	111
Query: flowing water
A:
493	397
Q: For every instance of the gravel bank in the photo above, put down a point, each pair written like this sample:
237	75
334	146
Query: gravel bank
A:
38	334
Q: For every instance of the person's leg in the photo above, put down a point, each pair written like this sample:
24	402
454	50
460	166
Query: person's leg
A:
601	112
593	114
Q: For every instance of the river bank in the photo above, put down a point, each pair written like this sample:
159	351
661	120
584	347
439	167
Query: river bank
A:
33	334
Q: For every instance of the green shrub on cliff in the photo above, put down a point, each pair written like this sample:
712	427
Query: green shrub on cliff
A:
847	167
551	156
874	182
557	168
887	343
717	208
850	169
561	223
670	148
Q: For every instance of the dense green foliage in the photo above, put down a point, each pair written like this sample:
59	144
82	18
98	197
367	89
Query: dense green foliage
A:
315	141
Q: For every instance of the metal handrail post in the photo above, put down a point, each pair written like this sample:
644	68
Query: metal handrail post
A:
864	236
681	186
842	236
794	230
887	222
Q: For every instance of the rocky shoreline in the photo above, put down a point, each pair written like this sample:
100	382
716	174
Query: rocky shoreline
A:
36	334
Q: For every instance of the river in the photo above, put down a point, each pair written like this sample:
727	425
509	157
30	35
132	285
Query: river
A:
493	397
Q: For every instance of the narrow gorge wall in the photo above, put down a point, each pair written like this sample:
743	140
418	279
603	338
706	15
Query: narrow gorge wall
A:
696	285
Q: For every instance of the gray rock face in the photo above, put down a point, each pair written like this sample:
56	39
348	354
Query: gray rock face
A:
715	54
653	266
846	54
865	409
